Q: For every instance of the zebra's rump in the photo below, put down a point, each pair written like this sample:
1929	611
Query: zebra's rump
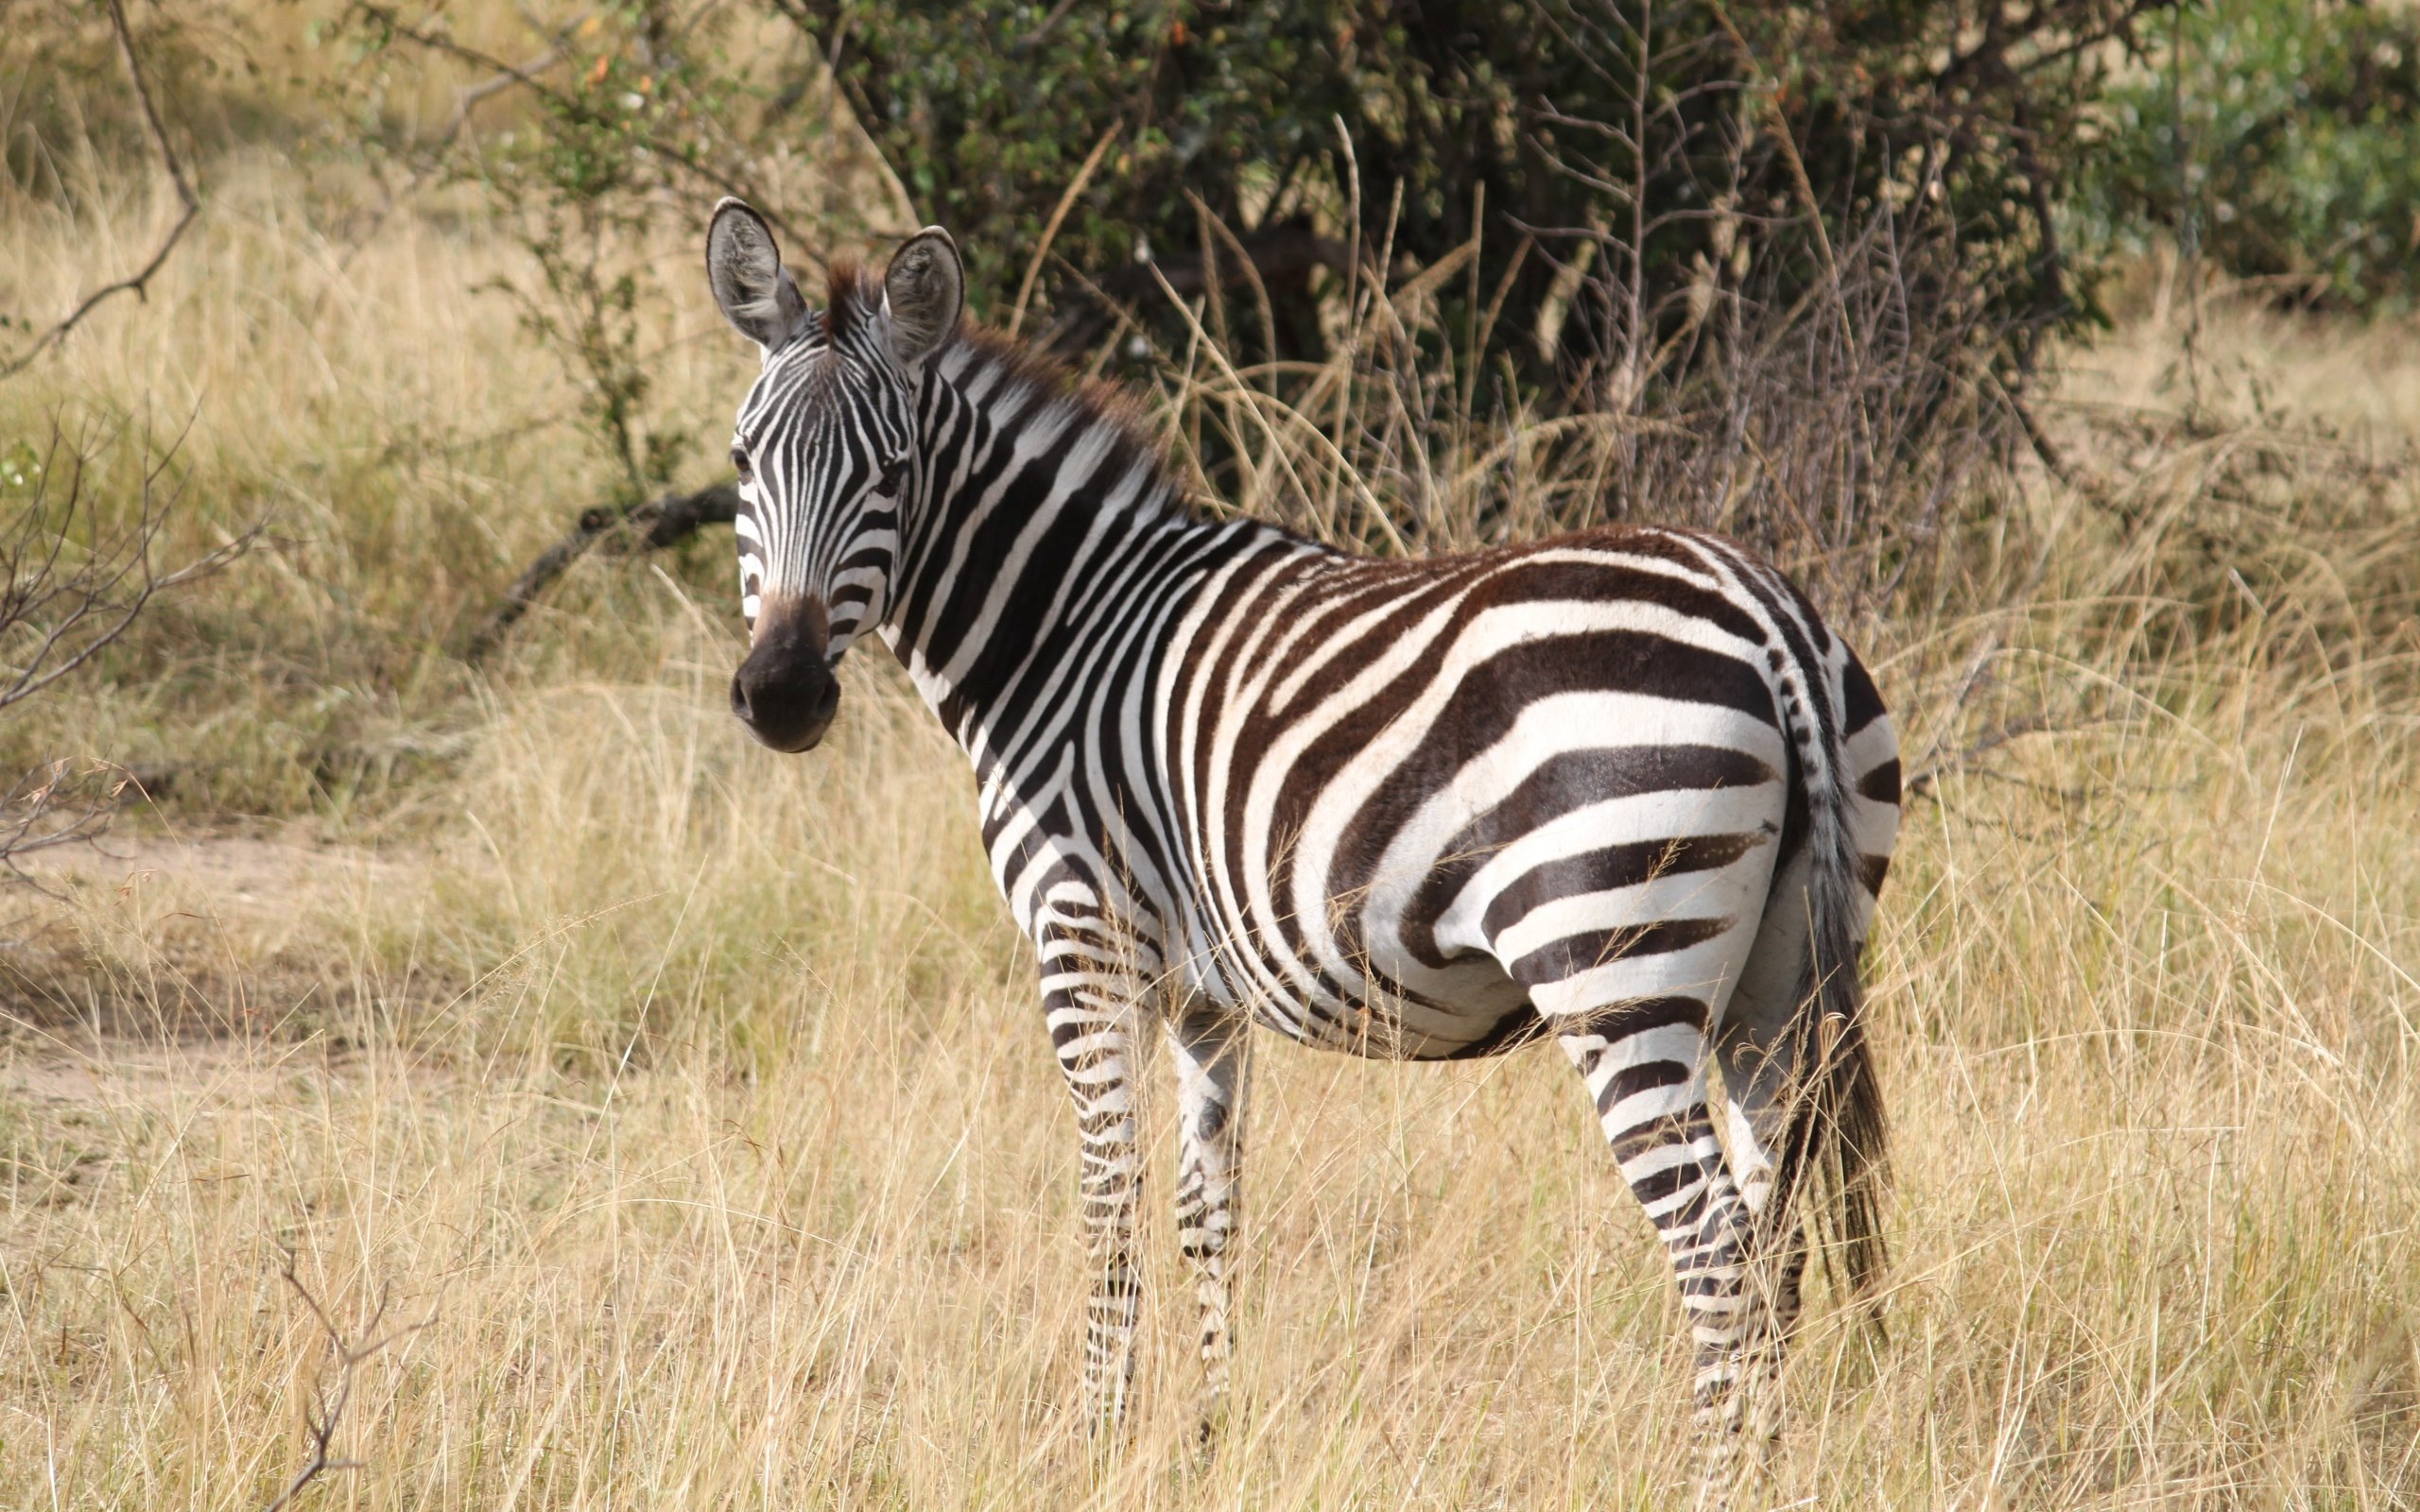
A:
1424	799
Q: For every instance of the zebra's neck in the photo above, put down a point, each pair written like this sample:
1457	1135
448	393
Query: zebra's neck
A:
1045	539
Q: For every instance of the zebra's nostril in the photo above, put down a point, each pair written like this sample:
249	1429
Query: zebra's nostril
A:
739	698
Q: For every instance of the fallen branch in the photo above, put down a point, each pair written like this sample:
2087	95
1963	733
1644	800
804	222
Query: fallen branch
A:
320	1423
649	526
186	199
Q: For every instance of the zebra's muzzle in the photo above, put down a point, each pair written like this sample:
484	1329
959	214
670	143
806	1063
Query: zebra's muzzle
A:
786	691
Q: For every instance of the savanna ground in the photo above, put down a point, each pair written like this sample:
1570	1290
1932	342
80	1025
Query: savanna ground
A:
687	1107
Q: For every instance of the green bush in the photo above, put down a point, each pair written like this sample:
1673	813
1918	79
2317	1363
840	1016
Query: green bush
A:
2279	138
1630	140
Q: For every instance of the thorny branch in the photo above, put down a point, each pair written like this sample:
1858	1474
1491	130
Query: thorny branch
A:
443	43
189	202
320	1420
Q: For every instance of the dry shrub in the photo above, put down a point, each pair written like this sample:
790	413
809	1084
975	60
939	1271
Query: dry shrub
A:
1857	437
2237	515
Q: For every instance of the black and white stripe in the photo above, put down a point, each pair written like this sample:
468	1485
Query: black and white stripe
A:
1623	789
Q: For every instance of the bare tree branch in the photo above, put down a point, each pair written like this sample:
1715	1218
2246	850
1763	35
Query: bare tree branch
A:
57	804
443	43
189	202
72	600
466	100
72	583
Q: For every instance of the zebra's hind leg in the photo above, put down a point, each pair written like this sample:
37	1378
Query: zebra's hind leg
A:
1645	1062
1760	1049
1206	1046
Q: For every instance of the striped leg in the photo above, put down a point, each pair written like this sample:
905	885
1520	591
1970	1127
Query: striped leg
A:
1759	1049
1645	1063
1091	1011
1207	1048
1758	1071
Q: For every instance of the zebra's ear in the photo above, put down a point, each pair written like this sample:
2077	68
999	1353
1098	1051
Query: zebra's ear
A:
921	293
754	291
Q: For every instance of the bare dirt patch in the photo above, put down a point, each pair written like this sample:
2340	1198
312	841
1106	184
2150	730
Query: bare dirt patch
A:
179	938
241	877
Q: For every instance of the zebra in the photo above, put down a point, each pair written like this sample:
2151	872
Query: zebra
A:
1621	788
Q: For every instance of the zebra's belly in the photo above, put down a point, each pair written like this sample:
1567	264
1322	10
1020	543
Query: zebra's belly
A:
1471	1006
1341	987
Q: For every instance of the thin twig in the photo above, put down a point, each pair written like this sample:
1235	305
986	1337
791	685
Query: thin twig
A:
77	612
1779	124
2044	448
466	100
671	154
1030	39
137	282
2032	724
71	586
32	818
321	1423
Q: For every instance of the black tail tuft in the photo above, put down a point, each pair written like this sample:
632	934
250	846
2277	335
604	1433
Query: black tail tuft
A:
1840	1137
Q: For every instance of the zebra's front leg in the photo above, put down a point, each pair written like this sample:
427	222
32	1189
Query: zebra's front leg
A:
1206	1046
1092	1015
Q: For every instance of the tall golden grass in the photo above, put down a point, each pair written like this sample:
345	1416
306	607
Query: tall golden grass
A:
694	1102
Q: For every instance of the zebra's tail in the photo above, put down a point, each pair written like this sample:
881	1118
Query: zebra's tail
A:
1838	1134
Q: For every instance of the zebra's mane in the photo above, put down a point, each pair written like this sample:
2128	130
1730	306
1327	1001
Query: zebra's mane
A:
854	294
1095	407
1035	379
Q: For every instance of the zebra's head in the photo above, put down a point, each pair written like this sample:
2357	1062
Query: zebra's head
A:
826	451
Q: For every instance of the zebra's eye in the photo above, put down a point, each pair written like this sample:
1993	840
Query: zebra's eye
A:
740	460
892	472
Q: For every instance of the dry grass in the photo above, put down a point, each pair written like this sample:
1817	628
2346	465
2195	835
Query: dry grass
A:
698	1098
